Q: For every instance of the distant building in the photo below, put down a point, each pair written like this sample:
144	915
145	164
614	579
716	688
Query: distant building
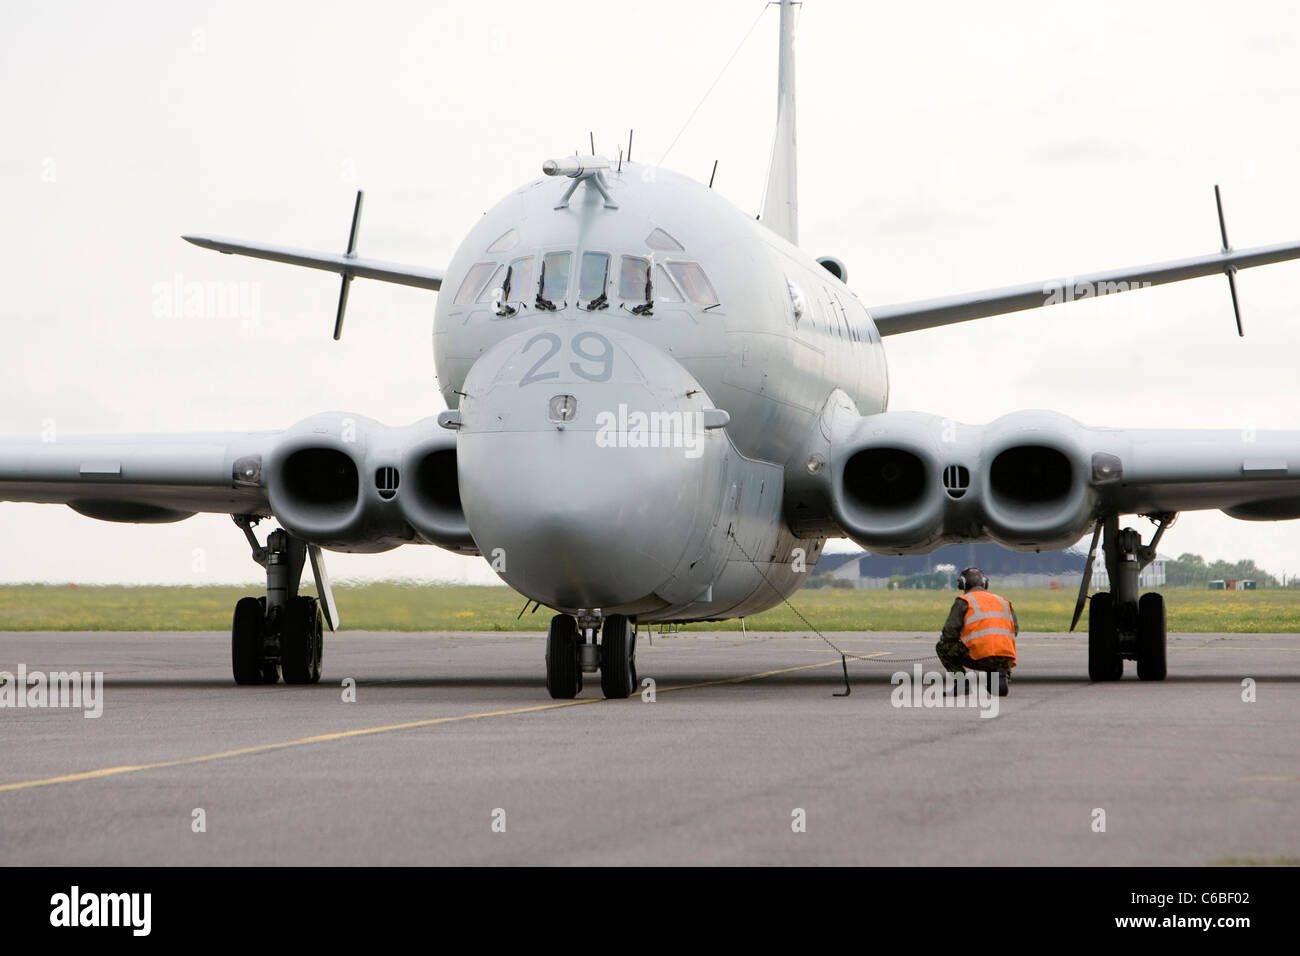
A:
1245	584
1004	567
1152	576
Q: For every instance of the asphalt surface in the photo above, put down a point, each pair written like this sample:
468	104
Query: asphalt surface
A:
450	734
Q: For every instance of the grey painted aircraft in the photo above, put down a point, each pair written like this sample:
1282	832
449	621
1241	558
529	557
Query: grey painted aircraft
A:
659	409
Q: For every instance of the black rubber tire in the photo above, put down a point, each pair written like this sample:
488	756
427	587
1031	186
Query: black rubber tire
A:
1104	662
563	668
300	641
1151	642
246	641
617	658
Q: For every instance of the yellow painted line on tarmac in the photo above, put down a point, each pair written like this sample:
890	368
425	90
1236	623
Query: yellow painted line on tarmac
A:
386	728
1271	779
285	744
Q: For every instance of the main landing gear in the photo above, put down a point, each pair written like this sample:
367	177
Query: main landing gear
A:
571	651
1121	624
281	633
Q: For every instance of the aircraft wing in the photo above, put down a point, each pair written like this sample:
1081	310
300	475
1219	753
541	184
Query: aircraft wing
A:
136	478
931	313
907	482
345	265
335	480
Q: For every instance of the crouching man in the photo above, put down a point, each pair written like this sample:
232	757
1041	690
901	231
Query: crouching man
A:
980	632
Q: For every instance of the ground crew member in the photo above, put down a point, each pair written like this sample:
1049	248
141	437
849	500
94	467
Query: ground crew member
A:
980	632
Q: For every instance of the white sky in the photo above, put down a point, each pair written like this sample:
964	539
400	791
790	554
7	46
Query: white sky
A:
943	147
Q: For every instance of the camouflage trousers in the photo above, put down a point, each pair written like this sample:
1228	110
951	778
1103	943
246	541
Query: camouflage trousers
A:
954	656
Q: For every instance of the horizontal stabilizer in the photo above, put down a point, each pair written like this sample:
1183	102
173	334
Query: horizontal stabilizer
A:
344	265
931	313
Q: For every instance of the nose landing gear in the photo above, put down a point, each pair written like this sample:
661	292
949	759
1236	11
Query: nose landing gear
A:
571	650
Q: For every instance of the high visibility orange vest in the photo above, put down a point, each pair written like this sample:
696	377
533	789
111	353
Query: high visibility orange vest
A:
988	629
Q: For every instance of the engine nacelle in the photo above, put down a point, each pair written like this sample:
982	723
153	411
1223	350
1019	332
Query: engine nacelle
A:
348	483
835	267
905	482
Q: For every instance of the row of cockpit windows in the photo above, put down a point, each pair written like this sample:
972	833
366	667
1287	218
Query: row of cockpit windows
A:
639	279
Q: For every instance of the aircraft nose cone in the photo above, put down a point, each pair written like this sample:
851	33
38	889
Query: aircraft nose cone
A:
587	488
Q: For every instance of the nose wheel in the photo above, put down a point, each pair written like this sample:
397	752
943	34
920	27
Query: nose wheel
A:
563	666
569	653
617	657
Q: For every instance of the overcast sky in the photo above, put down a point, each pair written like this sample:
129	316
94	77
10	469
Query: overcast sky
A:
942	148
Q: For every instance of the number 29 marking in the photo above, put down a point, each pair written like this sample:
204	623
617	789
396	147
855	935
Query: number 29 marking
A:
602	358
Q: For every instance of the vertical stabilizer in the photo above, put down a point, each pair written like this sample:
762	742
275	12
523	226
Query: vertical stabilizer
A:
781	202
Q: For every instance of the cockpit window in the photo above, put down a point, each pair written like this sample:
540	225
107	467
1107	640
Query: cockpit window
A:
661	240
593	280
665	290
505	242
490	287
520	277
475	281
692	280
634	279
555	277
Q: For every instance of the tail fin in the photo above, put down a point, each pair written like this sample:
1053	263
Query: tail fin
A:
781	201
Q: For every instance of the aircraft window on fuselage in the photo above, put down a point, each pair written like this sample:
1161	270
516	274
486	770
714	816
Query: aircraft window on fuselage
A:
521	281
475	280
665	290
555	277
490	287
661	240
593	280
633	279
797	302
505	242
693	282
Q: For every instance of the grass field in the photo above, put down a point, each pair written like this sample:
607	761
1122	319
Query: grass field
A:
408	607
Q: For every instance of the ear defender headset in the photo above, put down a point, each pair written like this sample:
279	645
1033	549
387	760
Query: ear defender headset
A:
972	578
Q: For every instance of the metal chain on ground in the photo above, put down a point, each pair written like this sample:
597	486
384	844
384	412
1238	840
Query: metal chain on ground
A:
848	689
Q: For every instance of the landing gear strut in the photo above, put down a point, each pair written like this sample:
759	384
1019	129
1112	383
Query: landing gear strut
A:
1121	624
280	634
571	651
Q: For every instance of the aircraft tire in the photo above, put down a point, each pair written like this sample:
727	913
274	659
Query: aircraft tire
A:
617	658
1151	640
300	641
246	658
1104	662
563	669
